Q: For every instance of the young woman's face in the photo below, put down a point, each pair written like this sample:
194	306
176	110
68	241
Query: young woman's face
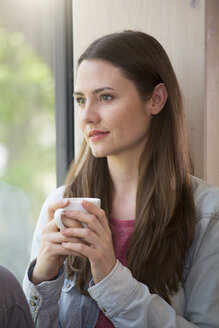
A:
112	116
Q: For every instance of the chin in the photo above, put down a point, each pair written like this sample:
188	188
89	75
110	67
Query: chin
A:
99	154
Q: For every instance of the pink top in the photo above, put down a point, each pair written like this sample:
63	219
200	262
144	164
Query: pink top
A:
121	233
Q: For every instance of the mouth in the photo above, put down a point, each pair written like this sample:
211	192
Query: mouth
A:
96	133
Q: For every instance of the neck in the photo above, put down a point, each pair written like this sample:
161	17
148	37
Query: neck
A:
124	176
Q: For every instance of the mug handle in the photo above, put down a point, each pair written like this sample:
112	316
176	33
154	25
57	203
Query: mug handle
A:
58	219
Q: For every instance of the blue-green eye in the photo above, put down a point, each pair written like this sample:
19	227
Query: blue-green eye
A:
80	101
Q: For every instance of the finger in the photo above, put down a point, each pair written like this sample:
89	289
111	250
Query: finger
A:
80	248
53	243
58	238
62	219
84	233
98	212
87	220
52	207
71	222
58	249
51	226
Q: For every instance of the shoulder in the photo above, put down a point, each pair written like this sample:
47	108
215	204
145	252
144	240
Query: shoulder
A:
205	244
56	194
206	198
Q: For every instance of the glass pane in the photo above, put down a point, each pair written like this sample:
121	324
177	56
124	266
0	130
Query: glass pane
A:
27	125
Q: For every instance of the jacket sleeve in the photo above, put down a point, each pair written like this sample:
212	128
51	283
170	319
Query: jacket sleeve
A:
125	301
43	298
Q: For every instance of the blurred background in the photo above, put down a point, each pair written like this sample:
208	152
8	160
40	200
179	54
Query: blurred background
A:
27	124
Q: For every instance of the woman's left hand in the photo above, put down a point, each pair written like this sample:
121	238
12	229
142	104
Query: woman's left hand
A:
99	248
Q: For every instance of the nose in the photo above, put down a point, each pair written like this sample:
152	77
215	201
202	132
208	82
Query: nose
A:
90	113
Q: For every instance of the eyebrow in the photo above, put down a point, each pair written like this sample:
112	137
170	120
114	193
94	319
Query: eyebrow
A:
96	91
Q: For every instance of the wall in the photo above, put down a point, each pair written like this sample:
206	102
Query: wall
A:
212	92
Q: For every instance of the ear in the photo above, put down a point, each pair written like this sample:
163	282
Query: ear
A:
158	99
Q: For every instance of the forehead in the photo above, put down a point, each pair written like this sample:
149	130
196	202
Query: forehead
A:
96	73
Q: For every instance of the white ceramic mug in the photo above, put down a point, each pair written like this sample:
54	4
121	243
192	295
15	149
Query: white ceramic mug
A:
74	205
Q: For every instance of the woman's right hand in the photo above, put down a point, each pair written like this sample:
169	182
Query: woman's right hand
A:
52	254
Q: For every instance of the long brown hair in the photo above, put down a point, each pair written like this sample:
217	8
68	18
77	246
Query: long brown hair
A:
165	211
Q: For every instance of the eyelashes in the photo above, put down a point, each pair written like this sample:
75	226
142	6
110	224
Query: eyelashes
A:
104	98
80	101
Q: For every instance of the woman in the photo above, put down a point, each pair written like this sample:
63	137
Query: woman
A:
150	256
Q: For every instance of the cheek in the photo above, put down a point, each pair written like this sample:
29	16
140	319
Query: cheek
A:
81	127
80	122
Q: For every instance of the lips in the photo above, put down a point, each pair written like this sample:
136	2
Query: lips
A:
95	133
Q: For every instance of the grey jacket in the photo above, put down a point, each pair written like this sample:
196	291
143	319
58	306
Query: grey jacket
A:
127	302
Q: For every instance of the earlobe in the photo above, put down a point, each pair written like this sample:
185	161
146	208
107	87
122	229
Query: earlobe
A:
159	98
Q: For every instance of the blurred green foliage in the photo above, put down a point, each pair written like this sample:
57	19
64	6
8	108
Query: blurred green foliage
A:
27	123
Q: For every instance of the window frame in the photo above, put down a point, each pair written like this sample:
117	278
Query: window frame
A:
64	73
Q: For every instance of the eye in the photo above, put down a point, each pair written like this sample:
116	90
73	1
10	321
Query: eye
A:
80	101
106	98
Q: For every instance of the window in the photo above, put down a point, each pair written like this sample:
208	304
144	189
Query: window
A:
27	124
